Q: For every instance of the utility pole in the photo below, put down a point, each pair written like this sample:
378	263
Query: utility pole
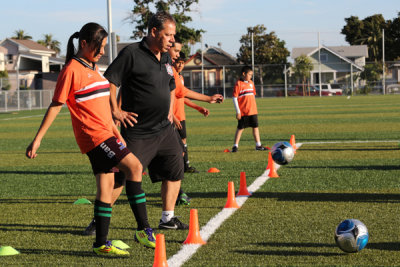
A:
110	51
383	61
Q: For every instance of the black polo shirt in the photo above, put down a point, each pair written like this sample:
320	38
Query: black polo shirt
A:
145	85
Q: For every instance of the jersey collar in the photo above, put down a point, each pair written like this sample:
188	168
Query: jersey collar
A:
84	63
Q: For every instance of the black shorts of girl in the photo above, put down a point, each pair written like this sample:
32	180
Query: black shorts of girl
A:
107	155
248	121
161	154
182	132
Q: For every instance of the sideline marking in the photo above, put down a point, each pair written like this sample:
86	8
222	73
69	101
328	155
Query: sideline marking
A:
351	142
187	251
27	117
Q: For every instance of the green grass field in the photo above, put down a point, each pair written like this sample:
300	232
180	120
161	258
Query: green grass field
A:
289	221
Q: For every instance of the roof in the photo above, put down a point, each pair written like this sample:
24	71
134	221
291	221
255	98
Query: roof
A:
344	51
104	59
32	45
219	56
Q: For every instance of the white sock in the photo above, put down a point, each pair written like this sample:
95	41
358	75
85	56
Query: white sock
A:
258	143
167	215
236	145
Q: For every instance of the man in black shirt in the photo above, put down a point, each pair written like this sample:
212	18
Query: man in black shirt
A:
143	71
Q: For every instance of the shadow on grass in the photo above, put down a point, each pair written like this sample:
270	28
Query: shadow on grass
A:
349	149
330	197
355	168
47	229
288	253
391	246
44	172
85	254
294	245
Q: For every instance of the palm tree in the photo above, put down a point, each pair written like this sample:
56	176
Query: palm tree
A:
21	35
302	68
50	43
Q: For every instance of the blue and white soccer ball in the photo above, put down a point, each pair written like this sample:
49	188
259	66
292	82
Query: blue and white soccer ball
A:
351	235
282	153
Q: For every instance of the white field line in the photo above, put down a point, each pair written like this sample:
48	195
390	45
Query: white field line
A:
27	117
187	251
351	142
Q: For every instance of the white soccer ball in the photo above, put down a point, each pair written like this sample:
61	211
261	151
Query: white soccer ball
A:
282	153
351	235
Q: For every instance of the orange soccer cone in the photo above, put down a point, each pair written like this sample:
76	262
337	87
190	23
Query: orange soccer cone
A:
194	231
231	200
243	186
271	167
213	169
293	143
160	255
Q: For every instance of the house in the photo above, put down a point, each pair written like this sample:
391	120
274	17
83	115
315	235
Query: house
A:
336	62
395	68
28	62
216	77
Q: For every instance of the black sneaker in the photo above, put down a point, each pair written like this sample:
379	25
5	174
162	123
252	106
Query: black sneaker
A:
91	229
234	149
174	224
261	148
191	169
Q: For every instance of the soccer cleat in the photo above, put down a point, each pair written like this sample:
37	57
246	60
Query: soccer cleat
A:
174	224
261	148
91	229
146	237
109	250
191	169
234	149
183	199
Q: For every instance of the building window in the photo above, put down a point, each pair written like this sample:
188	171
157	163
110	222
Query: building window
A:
211	79
9	59
196	79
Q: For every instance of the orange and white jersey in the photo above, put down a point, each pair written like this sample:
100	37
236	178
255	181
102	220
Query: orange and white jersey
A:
87	94
180	93
245	92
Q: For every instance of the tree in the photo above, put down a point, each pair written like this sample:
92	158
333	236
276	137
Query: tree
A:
302	69
144	9
369	32
50	43
21	35
268	49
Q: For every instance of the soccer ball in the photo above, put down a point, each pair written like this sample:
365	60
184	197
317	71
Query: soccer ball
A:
282	153
351	235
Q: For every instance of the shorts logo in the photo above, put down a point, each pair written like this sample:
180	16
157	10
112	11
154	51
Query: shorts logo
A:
169	69
108	150
121	145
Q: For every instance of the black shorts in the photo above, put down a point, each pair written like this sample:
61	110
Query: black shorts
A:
107	155
161	154
248	121
182	132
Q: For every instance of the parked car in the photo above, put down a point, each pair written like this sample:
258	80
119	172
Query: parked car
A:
393	89
331	89
297	90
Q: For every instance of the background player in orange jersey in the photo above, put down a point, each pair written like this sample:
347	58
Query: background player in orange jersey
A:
246	108
87	95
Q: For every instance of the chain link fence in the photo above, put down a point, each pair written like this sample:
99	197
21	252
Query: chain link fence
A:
25	99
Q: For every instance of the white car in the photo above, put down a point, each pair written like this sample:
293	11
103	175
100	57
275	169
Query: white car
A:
332	89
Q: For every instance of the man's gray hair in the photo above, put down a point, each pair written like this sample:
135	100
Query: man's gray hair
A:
158	20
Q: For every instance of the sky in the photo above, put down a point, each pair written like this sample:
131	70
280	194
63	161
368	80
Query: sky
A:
297	22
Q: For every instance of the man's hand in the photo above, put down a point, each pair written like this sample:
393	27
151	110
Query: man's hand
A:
238	116
217	98
31	149
124	118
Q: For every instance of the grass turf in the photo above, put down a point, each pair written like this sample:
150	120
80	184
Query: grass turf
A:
289	221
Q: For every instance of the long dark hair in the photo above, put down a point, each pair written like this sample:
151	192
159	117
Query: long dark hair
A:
92	33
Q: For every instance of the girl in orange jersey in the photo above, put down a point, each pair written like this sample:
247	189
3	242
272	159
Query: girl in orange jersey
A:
86	93
246	108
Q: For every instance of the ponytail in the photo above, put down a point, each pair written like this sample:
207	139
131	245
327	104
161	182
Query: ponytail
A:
92	33
70	47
